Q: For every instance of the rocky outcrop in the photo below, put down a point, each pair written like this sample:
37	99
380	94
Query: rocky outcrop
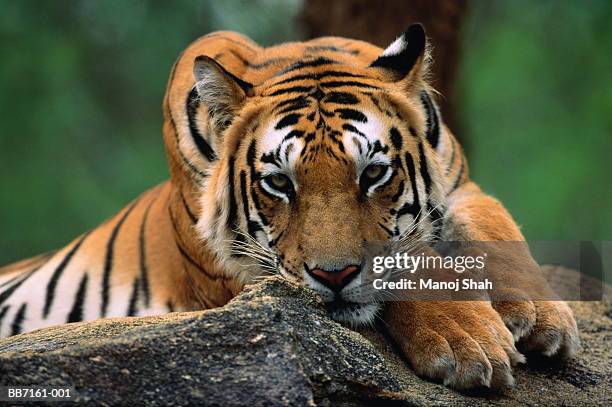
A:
274	345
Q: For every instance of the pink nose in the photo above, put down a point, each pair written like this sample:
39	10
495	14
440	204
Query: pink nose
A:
336	278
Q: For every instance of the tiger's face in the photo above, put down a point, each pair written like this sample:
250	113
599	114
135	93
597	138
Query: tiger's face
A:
325	178
317	162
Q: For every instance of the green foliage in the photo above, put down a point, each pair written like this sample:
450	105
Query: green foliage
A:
536	104
82	86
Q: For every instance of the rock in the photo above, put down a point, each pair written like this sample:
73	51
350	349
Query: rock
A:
274	345
271	346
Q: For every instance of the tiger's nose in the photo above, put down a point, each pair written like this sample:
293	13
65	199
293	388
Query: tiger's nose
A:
335	279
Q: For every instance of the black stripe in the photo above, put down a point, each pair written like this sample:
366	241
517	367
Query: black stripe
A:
353	129
376	103
433	125
269	158
414	207
274	241
293	89
317	76
3	312
193	102
108	262
52	284
255	200
232	221
184	253
334	136
252	153
19	317
460	175
396	138
337	84
424	169
197	266
11	280
7	293
453	152
386	229
352	114
296	100
341	98
377	147
325	113
144	272
37	261
252	227
193	218
309	137
399	193
295	104
307	64
132	310
76	313
412	175
330	48
292	134
288	120
194	170
409	208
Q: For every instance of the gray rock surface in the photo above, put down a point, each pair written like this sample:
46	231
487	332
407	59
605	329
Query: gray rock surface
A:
273	345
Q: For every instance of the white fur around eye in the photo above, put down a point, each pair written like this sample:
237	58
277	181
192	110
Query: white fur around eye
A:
356	144
382	181
273	191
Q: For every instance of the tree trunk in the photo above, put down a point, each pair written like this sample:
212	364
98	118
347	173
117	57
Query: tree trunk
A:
381	22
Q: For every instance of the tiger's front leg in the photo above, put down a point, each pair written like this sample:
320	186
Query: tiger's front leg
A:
546	327
469	344
464	344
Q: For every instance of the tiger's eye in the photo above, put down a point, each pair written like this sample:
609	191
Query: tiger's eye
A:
279	181
373	171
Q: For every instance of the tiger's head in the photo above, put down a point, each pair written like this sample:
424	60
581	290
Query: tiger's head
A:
313	163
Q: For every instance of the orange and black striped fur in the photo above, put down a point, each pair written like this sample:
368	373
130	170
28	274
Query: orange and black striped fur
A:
286	159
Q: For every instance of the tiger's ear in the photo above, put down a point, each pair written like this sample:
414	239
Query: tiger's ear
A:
220	91
405	60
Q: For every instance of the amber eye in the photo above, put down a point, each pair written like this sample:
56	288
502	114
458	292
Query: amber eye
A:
373	171
371	175
279	181
279	185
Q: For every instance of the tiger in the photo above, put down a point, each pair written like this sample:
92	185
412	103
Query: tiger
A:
283	161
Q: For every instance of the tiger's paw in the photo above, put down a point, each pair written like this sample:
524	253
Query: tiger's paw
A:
463	344
519	316
544	327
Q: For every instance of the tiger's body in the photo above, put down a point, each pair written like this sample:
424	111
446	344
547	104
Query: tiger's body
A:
264	147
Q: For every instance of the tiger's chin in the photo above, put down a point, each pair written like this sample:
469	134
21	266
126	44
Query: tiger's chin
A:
352	313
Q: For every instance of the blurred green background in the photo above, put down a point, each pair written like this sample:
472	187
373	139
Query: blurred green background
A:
536	107
82	84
